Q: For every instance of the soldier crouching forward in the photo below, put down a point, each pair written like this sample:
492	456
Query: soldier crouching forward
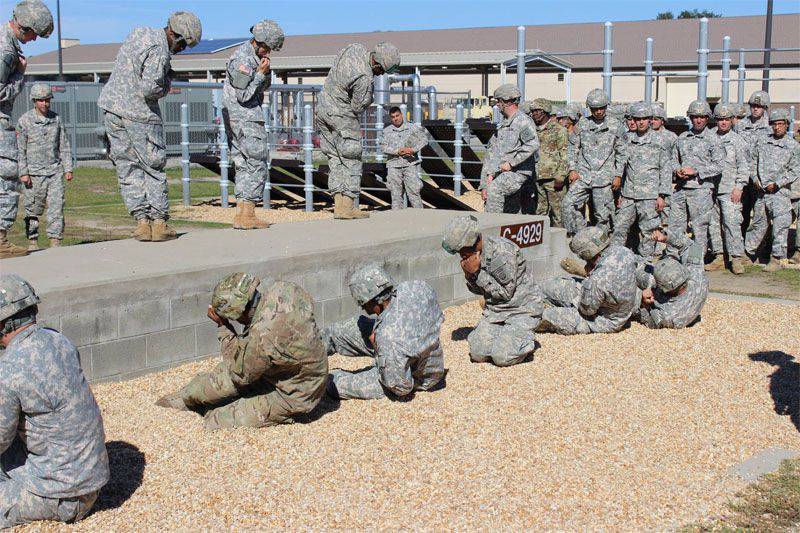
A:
275	369
403	339
495	268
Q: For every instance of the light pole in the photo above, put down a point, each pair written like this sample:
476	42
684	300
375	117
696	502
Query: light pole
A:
767	46
60	56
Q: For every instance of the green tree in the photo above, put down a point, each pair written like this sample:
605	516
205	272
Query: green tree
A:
666	15
695	14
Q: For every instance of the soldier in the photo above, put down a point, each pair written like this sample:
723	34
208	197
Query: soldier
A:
753	127
740	111
647	183
566	118
52	442
676	291
31	19
403	339
727	227
665	138
551	167
630	122
133	123
509	160
346	94
696	164
248	76
775	167
45	159
591	162
402	143
604	301
495	269
275	369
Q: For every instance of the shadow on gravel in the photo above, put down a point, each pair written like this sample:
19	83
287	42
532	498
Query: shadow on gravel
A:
460	334
784	385
127	470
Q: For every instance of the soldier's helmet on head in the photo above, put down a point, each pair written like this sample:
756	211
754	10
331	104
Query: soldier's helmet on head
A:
269	33
41	91
658	111
460	232
187	25
16	294
779	114
508	92
387	56
596	98
670	275
725	111
640	110
698	108
369	282
233	294
589	242
759	98
35	15
542	104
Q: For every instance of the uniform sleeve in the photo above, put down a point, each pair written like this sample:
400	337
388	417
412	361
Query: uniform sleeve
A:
361	94
790	172
498	277
11	81
528	144
712	167
658	319
22	148
620	157
591	297
64	148
419	140
387	146
573	149
489	167
742	166
245	80
155	83
560	155
10	410
664	173
472	285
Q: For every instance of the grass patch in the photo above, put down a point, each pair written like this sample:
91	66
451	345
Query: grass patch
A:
771	504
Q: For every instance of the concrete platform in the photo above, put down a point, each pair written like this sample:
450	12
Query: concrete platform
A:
135	307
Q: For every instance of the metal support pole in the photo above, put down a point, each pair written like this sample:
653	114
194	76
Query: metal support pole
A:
702	60
648	71
404	111
417	99
608	53
380	87
568	82
308	156
767	47
222	139
187	197
457	143
497	116
379	157
791	126
60	48
742	75
521	60
726	69
266	196
433	105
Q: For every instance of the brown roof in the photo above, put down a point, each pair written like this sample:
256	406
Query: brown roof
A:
675	40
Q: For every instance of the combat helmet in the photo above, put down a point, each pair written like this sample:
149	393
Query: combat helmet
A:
543	104
187	25
640	110
232	295
268	32
670	275
589	243
41	91
759	98
596	98
368	282
16	294
507	92
658	111
779	114
460	232
725	111
387	56
35	15
699	108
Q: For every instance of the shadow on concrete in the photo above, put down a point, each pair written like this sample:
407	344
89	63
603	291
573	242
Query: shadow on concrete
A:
326	405
460	334
784	385
127	471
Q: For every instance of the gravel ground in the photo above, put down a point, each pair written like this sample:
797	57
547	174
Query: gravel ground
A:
629	431
276	215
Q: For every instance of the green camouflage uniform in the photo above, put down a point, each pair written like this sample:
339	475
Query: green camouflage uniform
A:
551	169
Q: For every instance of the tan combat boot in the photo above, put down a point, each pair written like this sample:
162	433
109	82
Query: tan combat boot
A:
33	245
162	232
795	259
574	266
9	250
717	264
172	401
736	265
248	220
774	264
143	231
348	210
237	218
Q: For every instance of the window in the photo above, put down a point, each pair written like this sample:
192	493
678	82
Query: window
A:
560	76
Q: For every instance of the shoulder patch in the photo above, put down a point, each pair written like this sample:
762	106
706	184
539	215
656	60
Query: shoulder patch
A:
527	134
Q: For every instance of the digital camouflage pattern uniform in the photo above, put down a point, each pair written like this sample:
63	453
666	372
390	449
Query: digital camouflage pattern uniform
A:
45	156
515	143
54	458
603	302
275	369
242	96
11	83
347	92
726	229
647	172
752	131
551	169
408	356
670	310
133	123
593	156
403	171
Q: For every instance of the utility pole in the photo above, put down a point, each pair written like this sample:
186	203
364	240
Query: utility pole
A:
767	46
60	56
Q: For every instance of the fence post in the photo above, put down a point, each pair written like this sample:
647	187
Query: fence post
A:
648	71
457	143
222	139
741	76
521	61
185	154
608	53
308	156
433	105
702	61
726	70
266	196
379	157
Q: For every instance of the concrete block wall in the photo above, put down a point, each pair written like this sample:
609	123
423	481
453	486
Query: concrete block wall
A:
133	308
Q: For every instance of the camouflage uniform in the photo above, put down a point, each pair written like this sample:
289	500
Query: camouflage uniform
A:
592	156
647	173
403	171
676	311
275	369
11	82
133	122
54	458
752	132
506	333
45	156
347	92
726	226
407	353
514	143
242	96
551	169
601	303
703	152
774	161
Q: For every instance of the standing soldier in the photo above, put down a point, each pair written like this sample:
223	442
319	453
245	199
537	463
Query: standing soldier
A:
592	166
510	158
402	143
776	166
45	159
346	94
133	123
551	168
31	19
665	138
248	76
753	127
696	164
646	186
728	193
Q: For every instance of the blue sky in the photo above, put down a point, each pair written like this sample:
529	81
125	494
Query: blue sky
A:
101	21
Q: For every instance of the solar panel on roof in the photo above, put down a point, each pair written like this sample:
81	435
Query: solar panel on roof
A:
212	46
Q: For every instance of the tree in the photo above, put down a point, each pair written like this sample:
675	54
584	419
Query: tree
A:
666	15
695	14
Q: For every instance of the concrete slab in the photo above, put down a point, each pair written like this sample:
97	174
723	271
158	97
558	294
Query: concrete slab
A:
762	463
